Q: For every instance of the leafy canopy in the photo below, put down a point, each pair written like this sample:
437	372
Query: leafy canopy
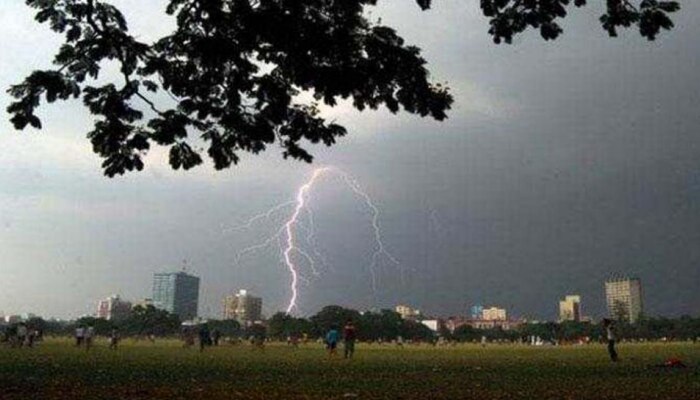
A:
228	78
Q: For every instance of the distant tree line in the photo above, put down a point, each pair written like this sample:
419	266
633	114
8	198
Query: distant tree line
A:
141	322
383	325
683	328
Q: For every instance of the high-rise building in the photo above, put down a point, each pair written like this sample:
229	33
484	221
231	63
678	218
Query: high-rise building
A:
570	308
242	307
477	311
176	292
493	314
407	312
113	308
624	298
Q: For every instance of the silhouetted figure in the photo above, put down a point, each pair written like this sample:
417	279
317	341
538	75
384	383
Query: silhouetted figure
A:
349	337
293	340
612	338
258	337
204	337
113	339
89	335
215	336
31	337
332	340
188	337
79	336
4	336
21	334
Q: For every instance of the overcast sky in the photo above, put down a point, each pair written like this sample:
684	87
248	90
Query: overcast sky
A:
561	164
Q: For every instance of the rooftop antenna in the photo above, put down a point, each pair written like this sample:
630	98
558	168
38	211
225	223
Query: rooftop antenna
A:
184	265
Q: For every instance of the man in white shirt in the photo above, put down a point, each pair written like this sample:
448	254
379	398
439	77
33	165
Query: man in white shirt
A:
89	334
79	335
612	338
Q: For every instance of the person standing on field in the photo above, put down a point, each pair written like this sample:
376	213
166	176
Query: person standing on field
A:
89	334
113	339
349	337
332	340
204	337
215	336
612	338
21	334
79	335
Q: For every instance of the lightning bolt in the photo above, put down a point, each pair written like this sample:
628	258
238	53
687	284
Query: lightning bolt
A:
266	215
380	250
288	238
301	200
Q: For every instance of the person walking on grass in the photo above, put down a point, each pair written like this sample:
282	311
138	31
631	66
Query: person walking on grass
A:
89	335
204	337
610	334
215	337
31	337
332	340
113	339
79	336
349	337
258	336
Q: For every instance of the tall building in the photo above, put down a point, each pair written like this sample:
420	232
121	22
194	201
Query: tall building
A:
476	311
624	298
113	308
493	314
242	307
407	312
176	292
570	308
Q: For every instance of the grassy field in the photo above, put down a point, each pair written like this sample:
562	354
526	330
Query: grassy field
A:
56	370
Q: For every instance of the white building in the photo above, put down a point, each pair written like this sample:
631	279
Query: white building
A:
624	299
242	307
113	308
407	312
570	308
494	314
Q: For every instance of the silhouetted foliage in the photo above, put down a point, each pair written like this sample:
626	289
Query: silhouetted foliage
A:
149	320
226	327
283	325
466	333
257	331
508	18
333	316
383	325
232	70
101	326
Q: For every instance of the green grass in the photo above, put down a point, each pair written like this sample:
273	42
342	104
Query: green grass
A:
56	370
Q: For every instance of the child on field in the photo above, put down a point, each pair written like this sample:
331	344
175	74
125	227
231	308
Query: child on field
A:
332	340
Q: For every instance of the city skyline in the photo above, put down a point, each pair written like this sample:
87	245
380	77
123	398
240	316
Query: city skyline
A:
246	308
